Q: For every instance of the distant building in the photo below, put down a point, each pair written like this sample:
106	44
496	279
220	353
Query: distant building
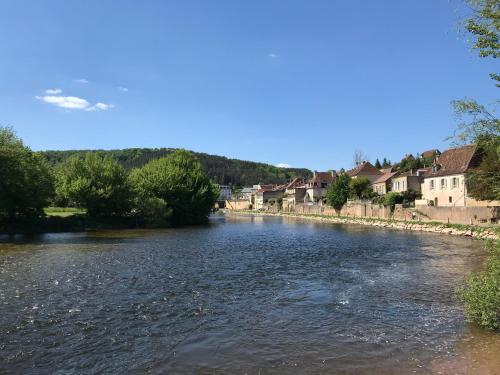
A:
410	180
365	169
383	184
225	193
317	186
430	154
294	193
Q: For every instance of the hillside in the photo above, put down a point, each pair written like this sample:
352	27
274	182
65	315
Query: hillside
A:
220	169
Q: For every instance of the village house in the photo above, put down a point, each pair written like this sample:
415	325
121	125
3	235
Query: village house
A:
430	154
383	184
266	195
294	193
444	184
317	186
246	194
365	169
409	180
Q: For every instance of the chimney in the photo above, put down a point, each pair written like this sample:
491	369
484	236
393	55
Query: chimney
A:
314	175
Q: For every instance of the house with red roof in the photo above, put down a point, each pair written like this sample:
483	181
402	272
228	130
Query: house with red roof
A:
317	187
445	183
365	169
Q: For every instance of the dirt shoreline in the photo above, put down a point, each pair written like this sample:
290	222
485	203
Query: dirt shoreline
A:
483	233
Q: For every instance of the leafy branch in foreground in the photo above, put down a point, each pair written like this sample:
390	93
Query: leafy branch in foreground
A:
481	292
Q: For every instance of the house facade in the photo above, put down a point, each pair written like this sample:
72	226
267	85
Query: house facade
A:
445	184
317	187
408	181
294	193
383	184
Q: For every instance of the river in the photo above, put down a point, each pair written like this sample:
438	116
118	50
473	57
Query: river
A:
243	295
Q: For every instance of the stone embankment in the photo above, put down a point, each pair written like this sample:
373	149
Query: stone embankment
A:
473	231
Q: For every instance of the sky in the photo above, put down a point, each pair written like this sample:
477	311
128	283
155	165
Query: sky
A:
299	83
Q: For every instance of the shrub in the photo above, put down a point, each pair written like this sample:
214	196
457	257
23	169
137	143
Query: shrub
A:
481	292
392	198
338	192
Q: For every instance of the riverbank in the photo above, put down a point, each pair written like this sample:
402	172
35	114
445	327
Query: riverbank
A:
474	231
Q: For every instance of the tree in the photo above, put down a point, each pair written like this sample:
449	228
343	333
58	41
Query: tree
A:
95	182
26	183
359	157
386	163
338	192
360	188
484	25
392	198
377	164
181	183
480	126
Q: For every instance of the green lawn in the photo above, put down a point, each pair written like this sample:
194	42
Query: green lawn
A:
63	211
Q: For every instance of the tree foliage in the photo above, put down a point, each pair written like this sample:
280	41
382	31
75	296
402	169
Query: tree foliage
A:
338	192
360	188
484	25
179	180
219	169
95	182
481	292
26	183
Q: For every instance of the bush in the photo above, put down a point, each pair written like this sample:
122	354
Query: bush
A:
153	211
95	182
481	292
180	182
360	188
392	198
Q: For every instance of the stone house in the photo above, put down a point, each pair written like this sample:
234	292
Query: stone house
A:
383	184
409	180
294	193
365	169
265	195
317	186
444	185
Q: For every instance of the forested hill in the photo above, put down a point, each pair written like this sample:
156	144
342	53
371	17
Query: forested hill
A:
220	169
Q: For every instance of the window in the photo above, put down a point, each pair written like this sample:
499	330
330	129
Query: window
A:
443	183
454	182
432	184
449	199
403	185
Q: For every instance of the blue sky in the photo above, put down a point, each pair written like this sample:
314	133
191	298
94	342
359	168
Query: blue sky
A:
303	83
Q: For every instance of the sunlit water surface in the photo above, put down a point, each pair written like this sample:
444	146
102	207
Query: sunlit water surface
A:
241	295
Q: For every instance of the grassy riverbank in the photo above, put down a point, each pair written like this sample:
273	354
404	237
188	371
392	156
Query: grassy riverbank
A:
481	232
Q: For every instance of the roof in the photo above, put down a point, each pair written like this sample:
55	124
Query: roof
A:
364	169
385	177
387	170
430	153
457	160
323	177
246	190
296	182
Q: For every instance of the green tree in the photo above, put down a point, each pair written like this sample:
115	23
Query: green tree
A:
377	164
481	292
392	198
386	163
484	25
95	182
360	188
180	182
338	192
26	183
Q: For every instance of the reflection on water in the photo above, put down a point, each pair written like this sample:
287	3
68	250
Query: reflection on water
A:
242	295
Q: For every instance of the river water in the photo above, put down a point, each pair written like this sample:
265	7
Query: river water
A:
243	295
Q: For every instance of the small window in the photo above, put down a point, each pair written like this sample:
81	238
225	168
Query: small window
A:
443	183
449	200
432	184
454	182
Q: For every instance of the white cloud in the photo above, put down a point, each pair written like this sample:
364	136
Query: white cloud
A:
80	80
68	102
99	107
122	89
72	102
283	165
272	56
53	91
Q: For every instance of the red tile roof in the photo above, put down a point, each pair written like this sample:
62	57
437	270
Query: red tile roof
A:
385	177
430	153
364	169
457	160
